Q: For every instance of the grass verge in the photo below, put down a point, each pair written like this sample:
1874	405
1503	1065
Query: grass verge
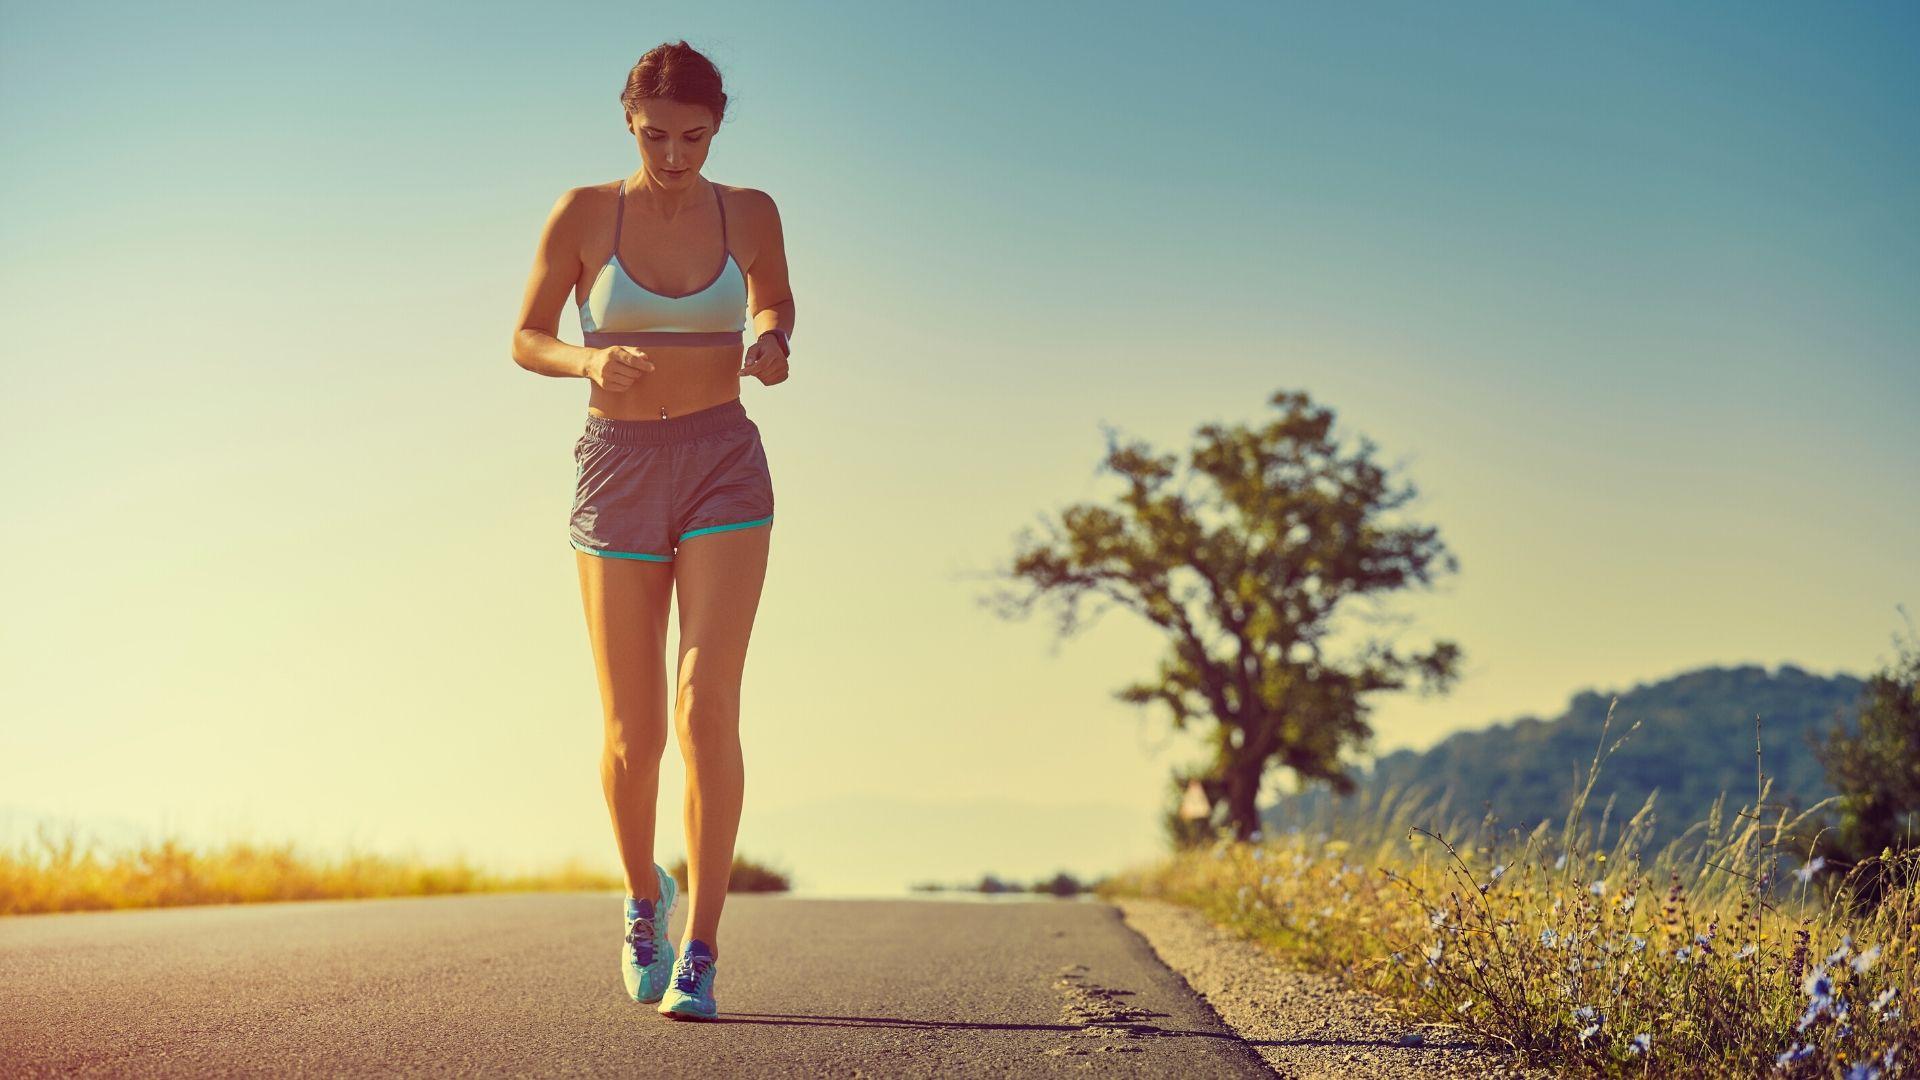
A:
1719	954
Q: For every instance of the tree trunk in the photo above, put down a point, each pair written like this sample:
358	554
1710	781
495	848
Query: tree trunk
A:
1243	789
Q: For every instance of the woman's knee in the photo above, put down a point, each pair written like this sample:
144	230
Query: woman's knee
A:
701	698
636	738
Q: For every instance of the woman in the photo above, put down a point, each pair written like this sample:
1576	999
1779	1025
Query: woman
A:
671	485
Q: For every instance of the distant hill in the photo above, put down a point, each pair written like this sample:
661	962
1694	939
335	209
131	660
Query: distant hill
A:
1695	741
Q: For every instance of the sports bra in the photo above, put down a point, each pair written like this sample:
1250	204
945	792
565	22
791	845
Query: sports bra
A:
620	311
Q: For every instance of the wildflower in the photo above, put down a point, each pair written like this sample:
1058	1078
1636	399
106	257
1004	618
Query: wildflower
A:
1397	957
1839	954
1433	953
1805	873
1627	902
1818	985
1639	942
1819	988
1547	938
1641	1044
1746	952
1598	888
1886	998
1464	1006
1438	919
1796	962
1864	1070
1497	871
1682	952
1560	863
1866	958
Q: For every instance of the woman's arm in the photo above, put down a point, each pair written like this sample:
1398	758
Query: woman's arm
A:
769	295
556	267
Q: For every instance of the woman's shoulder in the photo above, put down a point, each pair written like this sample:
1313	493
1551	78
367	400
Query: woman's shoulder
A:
584	199
749	205
569	220
740	195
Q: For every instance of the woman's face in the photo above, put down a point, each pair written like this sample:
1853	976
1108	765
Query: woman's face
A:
673	139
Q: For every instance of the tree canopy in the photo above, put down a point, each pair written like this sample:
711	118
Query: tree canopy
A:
1244	560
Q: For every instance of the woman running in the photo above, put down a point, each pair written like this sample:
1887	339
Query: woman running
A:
672	488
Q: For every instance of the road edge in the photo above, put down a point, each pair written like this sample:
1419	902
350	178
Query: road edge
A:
1303	1023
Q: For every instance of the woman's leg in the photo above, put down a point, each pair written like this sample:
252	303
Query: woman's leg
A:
718	576
626	605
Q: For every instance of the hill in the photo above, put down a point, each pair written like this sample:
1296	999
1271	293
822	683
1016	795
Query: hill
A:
1696	739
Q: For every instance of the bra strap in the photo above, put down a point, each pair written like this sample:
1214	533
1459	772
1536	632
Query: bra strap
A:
619	212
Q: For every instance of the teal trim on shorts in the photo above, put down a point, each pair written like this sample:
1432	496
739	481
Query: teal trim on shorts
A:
724	528
620	554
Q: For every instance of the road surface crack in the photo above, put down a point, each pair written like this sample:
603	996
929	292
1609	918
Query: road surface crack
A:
1100	1016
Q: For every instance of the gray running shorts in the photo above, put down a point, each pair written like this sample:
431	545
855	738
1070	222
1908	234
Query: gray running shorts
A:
641	487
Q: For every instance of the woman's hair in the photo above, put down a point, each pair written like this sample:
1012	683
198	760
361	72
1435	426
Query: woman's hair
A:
679	72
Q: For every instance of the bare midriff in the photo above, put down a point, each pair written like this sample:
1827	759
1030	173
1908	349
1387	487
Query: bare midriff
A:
685	378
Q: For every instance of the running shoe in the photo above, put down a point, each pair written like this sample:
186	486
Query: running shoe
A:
646	952
690	997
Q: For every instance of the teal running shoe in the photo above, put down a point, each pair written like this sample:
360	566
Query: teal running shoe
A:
690	997
646	952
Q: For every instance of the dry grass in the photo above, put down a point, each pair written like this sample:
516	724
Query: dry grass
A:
62	874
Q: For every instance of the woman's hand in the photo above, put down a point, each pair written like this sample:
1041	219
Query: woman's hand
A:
616	367
765	360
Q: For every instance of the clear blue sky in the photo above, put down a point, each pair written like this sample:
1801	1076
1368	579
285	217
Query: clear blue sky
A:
1627	291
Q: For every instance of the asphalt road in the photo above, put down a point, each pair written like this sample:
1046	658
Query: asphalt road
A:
528	984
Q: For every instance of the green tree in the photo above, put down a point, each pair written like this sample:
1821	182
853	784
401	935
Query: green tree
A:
1244	564
1875	766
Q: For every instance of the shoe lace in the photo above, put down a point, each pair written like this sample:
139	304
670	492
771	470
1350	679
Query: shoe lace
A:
689	969
640	937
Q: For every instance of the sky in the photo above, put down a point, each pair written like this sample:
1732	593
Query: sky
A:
1624	291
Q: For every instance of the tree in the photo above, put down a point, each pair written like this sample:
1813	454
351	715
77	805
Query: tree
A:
1244	566
1875	767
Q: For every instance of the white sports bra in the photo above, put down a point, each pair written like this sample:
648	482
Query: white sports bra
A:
620	311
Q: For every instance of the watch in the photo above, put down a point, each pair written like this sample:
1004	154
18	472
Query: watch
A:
781	336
